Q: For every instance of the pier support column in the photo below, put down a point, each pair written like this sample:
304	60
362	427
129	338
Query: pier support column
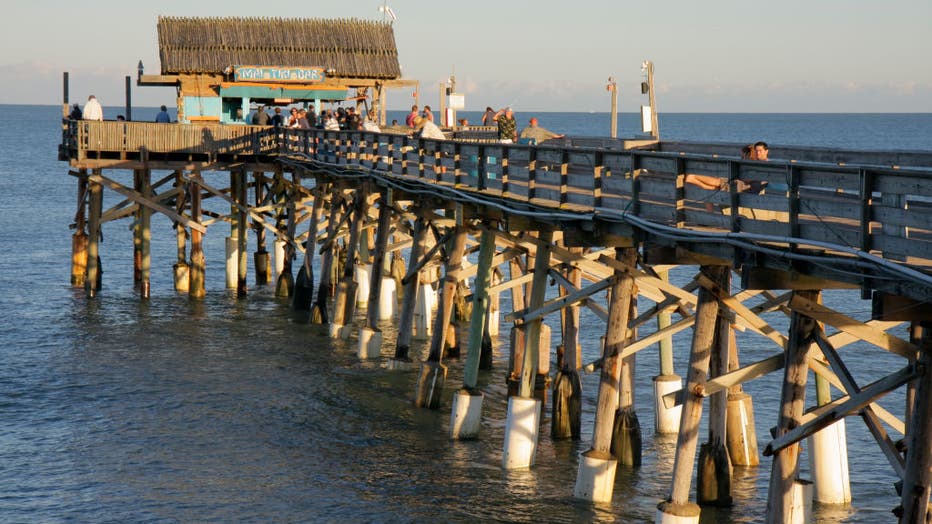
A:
521	426
595	478
197	286
917	480
79	239
828	454
741	432
325	289
677	507
344	304
232	241
241	232
284	286
467	404
714	476
565	421
626	432
304	284
409	300
181	270
433	372
145	235
783	473
370	336
137	231
261	258
95	206
666	420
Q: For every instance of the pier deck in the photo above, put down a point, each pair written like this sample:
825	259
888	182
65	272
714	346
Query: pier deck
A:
592	215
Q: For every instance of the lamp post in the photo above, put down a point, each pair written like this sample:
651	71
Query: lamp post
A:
647	68
612	87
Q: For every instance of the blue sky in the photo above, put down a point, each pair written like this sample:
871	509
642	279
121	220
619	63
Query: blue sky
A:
709	56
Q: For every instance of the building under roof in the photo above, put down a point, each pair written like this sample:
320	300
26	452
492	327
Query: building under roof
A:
223	66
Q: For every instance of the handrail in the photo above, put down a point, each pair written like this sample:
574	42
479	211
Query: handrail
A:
870	208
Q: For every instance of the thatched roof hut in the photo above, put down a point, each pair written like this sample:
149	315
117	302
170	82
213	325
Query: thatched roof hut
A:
350	48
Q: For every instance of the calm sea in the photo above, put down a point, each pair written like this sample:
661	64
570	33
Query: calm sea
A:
223	410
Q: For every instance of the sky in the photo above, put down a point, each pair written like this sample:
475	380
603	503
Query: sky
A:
781	56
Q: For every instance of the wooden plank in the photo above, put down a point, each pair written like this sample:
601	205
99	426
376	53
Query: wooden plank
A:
753	321
151	204
854	327
556	304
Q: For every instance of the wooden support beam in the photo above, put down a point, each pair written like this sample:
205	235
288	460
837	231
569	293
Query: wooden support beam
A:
854	327
141	200
894	307
559	303
768	278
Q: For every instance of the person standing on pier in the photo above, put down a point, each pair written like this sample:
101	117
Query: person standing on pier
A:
507	126
409	120
75	112
428	114
92	109
761	150
488	118
163	117
537	133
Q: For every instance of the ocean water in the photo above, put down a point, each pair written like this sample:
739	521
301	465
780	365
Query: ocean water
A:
238	410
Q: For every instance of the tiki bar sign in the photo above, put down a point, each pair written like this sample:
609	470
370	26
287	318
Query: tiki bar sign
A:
278	74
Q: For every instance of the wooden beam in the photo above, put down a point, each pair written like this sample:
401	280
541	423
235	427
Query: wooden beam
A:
755	322
827	414
151	204
559	303
768	278
854	327
894	307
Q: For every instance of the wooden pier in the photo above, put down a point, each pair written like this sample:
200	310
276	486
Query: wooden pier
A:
385	212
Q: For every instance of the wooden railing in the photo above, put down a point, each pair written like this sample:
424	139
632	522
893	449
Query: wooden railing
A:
873	209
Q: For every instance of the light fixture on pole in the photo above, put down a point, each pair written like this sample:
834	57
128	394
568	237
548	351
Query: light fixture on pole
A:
612	87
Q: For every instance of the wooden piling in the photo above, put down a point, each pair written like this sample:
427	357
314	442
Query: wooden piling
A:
145	235
703	339
409	300
344	305
626	432
196	287
304	283
325	288
433	372
180	270
261	258
714	477
917	480
566	417
370	340
480	308
79	239
530	364
792	399
241	230
284	286
95	208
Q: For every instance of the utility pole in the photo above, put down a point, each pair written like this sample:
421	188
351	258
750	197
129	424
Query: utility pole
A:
648	68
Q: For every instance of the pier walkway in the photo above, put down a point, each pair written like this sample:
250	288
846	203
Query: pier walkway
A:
597	217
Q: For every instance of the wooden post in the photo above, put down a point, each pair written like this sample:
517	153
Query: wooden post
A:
284	287
477	321
741	432
344	304
261	258
79	239
370	337
326	259
666	420
795	372
678	505
181	270
567	389
531	359
626	431
406	320
137	231
95	209
433	372
304	284
466	417
145	234
196	286
917	481
241	230
518	340
595	477
714	478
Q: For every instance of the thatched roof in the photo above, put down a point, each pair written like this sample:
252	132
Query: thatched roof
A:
354	48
